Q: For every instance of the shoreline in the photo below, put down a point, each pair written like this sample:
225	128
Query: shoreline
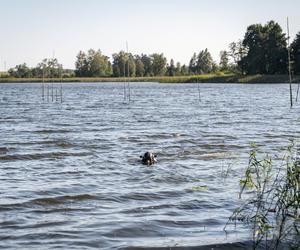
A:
207	78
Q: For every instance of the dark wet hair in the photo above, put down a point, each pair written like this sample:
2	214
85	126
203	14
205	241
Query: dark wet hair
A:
148	158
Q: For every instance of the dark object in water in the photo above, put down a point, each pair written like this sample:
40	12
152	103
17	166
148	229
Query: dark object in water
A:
148	158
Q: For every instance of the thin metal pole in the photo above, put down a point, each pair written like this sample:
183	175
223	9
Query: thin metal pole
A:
199	90
43	92
61	93
52	92
124	84
43	86
61	86
289	61
297	92
48	92
128	84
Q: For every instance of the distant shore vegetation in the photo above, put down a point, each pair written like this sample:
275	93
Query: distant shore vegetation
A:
262	51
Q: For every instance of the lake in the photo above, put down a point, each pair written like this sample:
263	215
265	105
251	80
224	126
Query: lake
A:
71	176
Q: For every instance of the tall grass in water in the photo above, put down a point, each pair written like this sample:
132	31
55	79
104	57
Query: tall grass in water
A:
272	207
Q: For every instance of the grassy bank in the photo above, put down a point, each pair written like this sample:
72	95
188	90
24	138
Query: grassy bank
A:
205	78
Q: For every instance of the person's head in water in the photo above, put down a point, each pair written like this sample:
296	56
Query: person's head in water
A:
148	158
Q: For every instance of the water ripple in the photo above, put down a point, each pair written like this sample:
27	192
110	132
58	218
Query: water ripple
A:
71	176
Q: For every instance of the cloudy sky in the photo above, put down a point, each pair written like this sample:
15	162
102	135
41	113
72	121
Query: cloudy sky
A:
35	29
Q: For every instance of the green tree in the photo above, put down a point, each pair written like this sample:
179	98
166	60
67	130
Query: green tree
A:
193	64
184	70
236	52
119	61
148	65
98	64
159	63
81	64
295	54
54	67
20	71
178	69
224	60
265	50
92	64
171	68
139	66
123	64
48	68
204	62
130	65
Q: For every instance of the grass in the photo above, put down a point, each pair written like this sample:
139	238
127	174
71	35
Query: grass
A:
204	78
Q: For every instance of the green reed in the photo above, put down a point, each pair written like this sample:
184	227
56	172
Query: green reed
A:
272	206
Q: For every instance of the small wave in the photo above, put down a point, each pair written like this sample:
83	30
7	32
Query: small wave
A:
64	199
210	156
147	121
59	143
52	131
60	210
152	196
140	229
56	155
3	150
48	201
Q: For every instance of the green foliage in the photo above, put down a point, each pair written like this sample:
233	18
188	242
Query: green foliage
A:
178	69
295	54
139	66
202	63
159	63
184	71
20	71
147	62
123	65
265	50
46	68
171	70
224	60
92	64
273	205
193	64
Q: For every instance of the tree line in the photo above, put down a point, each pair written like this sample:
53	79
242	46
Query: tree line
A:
263	50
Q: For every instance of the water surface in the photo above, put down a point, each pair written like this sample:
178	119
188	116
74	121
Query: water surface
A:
70	175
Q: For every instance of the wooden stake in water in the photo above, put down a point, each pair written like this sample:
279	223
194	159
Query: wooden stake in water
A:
43	91
124	83
289	62
297	92
48	92
61	91
128	84
199	90
52	91
61	79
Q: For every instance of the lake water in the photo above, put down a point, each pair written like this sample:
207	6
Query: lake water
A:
70	172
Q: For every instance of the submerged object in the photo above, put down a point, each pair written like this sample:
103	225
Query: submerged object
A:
148	158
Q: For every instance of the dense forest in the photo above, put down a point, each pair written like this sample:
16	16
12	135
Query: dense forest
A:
263	50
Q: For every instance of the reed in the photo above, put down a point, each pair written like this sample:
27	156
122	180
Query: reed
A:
272	207
205	78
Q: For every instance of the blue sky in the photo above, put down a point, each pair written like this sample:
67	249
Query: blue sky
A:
33	29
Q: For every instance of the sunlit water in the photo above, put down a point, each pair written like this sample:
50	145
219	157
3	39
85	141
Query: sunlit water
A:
71	177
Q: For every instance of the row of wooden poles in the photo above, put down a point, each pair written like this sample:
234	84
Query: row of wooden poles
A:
51	93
